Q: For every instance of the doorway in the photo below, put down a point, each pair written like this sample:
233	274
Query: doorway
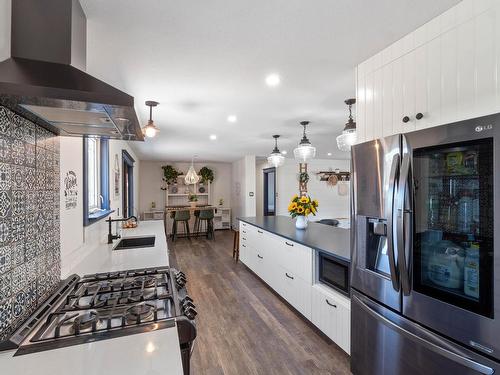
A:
128	184
269	191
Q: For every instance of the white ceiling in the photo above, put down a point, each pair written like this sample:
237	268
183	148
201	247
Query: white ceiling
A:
204	60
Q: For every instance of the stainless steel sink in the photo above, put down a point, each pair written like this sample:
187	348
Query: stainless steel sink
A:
135	242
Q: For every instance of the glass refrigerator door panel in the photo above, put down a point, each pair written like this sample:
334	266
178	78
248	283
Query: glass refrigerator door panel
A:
453	242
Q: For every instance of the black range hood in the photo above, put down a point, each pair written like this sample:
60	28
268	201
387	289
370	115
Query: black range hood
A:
44	79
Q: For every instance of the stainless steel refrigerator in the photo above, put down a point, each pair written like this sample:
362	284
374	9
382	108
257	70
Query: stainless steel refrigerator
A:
425	271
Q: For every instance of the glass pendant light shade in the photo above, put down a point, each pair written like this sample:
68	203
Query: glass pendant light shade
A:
191	177
150	129
348	136
346	140
276	159
305	150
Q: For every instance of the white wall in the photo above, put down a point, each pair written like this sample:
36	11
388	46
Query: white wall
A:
243	188
151	182
331	204
76	240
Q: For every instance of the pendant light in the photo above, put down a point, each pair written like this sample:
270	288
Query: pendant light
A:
276	158
150	129
348	136
304	150
191	177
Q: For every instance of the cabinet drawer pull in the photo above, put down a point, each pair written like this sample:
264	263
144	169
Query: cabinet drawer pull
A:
288	243
287	275
330	304
419	116
260	231
260	257
406	119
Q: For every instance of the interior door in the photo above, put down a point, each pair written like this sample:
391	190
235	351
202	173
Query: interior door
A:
375	166
449	283
269	191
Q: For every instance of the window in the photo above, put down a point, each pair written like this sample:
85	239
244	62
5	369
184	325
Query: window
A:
95	179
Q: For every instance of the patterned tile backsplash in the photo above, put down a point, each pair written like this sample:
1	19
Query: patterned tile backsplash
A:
30	265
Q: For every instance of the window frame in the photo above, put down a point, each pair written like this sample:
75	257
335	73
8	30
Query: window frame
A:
91	215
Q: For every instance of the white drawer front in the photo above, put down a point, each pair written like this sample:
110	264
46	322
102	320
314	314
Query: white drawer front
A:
297	292
331	313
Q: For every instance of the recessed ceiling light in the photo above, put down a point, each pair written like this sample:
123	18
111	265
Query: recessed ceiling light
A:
232	118
213	137
329	154
284	152
273	80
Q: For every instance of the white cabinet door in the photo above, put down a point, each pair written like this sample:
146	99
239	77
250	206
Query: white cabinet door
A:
433	83
360	108
449	81
378	125
465	69
331	313
297	292
409	91
387	100
421	88
485	61
369	107
397	95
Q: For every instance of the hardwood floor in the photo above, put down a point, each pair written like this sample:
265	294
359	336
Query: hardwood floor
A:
243	327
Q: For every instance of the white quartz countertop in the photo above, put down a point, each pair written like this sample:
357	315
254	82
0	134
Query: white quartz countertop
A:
103	258
155	352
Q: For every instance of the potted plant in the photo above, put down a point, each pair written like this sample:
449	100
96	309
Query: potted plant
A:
170	174
300	208
206	175
192	198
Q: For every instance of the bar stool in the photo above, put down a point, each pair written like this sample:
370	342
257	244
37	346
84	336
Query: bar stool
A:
236	245
181	216
196	222
208	217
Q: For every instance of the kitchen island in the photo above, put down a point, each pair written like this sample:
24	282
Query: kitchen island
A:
154	352
289	261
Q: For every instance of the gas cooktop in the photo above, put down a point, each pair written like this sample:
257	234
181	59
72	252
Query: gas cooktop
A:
106	305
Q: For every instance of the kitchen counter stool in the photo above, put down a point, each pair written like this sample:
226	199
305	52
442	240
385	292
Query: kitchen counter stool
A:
181	216
207	217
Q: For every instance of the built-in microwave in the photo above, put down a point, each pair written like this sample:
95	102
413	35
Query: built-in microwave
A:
333	272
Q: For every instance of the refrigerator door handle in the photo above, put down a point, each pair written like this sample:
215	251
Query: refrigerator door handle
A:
437	345
390	221
403	231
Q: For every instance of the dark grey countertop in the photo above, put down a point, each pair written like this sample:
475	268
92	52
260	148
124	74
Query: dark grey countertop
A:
332	240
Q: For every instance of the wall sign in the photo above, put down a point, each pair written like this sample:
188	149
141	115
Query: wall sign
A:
70	190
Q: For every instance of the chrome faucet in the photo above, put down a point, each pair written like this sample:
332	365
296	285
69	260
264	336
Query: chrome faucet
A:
112	236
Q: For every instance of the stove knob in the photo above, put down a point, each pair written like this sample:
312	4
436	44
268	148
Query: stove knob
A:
180	283
188	304
190	313
187	298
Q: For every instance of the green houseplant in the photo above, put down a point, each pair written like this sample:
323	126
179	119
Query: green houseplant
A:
206	174
170	174
192	198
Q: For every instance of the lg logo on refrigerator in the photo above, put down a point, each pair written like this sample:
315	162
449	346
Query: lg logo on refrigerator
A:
481	128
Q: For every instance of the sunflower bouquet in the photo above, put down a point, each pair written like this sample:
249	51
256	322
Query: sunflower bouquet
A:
302	206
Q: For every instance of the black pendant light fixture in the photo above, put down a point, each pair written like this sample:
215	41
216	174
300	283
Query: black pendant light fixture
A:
150	129
276	158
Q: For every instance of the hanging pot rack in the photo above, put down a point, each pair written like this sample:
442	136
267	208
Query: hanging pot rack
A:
341	175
